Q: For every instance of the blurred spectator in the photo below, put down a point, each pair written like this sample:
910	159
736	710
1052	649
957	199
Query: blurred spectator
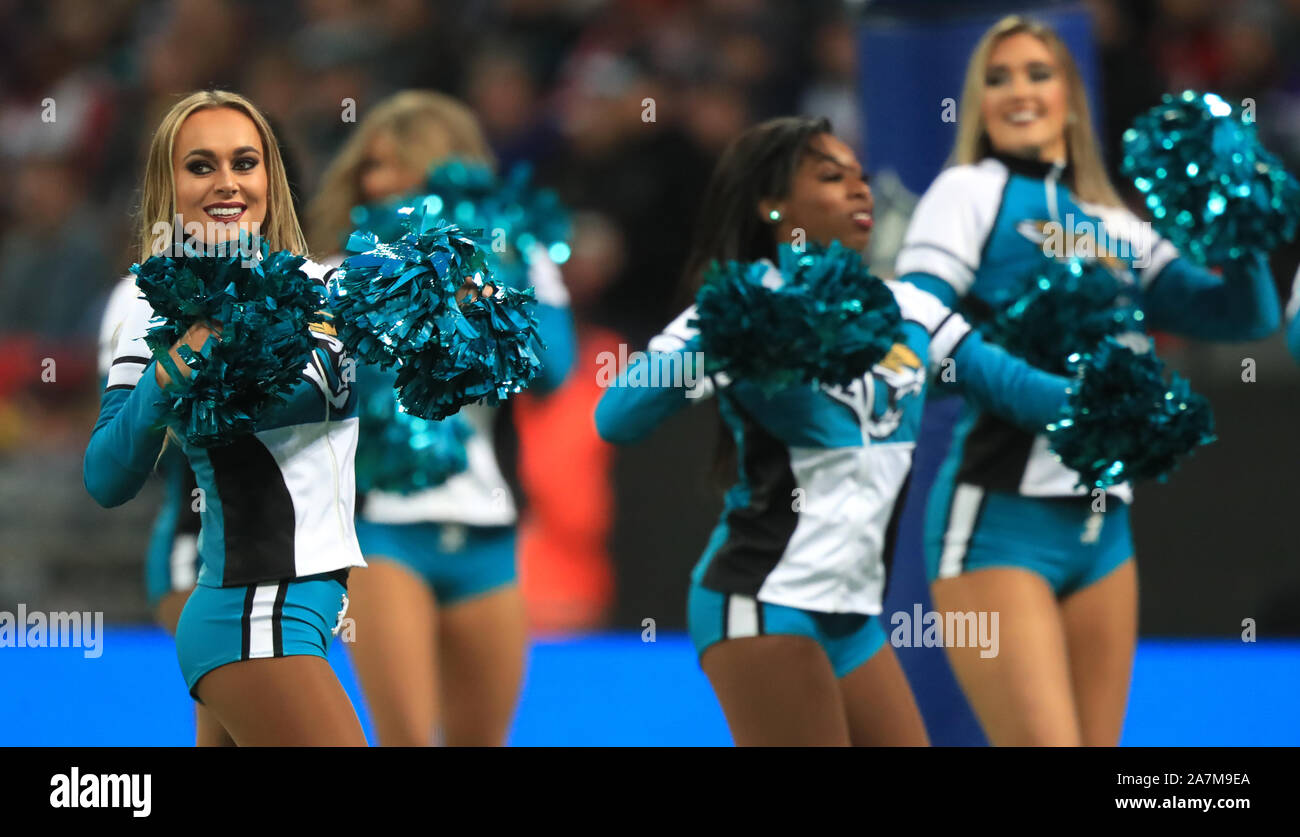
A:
512	108
562	83
626	157
833	91
52	254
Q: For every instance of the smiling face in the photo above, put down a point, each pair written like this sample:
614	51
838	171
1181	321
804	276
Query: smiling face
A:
219	170
829	198
1025	103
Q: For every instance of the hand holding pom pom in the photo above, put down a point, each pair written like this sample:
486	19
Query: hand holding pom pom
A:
1212	189
194	338
402	305
1123	422
492	353
261	312
829	322
395	299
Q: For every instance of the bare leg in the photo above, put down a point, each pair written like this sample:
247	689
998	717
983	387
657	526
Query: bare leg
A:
483	642
282	702
1022	696
395	651
879	704
1101	630
777	690
209	731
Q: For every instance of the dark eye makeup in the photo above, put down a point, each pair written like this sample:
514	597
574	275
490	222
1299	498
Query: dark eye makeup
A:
201	167
1036	70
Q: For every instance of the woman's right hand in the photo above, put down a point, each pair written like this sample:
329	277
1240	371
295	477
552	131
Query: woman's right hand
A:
194	337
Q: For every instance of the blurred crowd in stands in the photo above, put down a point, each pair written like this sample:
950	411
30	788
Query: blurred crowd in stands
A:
622	106
562	83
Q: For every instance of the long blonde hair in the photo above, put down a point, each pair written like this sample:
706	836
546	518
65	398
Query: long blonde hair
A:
427	127
158	201
1091	183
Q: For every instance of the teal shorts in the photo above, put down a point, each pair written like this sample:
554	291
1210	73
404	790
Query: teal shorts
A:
456	561
849	639
1060	539
222	625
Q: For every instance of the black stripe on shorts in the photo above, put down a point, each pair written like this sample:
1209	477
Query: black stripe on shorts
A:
246	622
277	616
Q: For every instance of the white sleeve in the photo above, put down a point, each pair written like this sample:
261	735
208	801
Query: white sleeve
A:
110	327
131	354
545	277
953	219
676	334
1293	306
946	327
674	338
328	263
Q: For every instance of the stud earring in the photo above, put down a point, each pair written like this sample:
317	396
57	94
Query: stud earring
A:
774	216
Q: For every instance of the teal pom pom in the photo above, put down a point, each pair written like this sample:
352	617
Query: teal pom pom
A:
1212	189
509	211
828	323
397	299
508	217
405	304
1123	422
264	310
494	353
401	453
1070	306
386	220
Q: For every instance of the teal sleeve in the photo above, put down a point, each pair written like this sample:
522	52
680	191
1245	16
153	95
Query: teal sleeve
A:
1189	300
555	326
372	379
174	465
1001	383
647	393
1293	338
126	441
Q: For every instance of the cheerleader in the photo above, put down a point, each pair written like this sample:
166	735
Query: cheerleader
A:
1007	530
784	604
172	559
440	626
277	539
